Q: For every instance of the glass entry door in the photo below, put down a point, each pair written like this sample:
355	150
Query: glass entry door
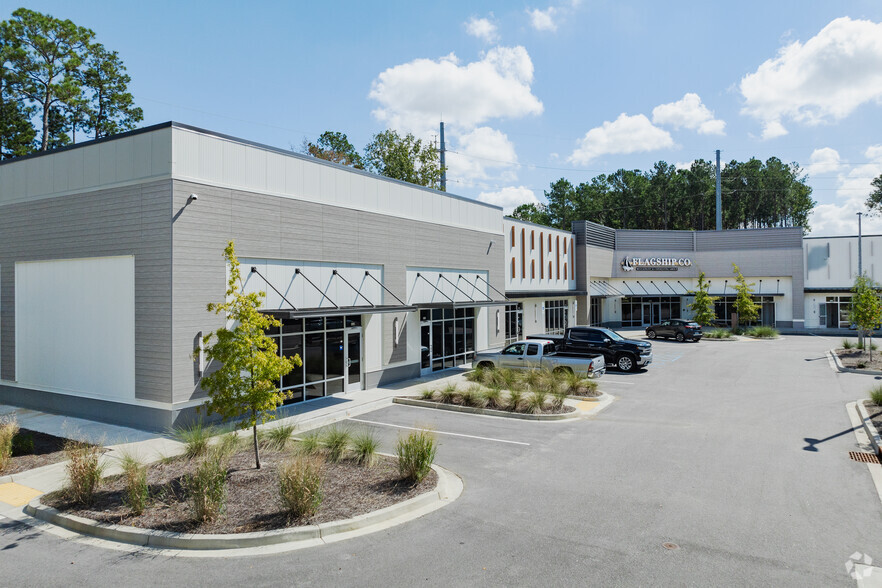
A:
352	361
647	314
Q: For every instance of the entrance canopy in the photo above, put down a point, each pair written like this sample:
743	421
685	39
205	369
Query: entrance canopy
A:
289	313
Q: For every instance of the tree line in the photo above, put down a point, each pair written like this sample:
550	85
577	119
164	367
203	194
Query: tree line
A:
388	154
56	81
754	193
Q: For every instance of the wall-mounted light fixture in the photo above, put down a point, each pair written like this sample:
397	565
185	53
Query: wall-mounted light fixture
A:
395	331
192	198
201	353
498	322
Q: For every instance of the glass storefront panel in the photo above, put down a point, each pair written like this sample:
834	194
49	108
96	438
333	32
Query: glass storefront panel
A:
448	340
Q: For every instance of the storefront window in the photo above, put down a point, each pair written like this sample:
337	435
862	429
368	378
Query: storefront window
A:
447	337
556	316
514	321
724	307
638	312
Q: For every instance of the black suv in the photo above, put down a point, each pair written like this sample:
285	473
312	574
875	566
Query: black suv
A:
679	329
626	354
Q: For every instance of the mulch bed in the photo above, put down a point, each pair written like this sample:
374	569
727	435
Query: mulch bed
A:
48	449
850	358
875	412
252	495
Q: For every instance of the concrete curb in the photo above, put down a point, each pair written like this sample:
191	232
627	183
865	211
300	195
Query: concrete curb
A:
448	489
18	477
869	427
847	370
716	340
487	411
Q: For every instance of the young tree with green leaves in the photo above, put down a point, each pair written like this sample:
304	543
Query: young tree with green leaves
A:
111	107
245	385
702	306
866	308
745	307
334	146
403	158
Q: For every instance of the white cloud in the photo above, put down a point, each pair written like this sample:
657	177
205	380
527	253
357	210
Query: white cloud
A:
855	185
481	150
823	80
543	20
689	113
509	197
823	161
413	95
684	164
483	29
627	134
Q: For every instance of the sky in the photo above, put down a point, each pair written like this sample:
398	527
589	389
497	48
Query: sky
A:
529	92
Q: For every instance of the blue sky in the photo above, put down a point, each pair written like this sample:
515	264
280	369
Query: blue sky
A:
530	92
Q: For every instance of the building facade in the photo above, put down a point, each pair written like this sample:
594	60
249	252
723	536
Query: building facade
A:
111	250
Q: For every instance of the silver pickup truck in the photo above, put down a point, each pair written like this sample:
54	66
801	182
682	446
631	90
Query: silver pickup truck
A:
541	354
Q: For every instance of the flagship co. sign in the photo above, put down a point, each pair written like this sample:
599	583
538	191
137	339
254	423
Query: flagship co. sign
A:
655	264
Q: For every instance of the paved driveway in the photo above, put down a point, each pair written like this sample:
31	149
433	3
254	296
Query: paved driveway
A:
706	450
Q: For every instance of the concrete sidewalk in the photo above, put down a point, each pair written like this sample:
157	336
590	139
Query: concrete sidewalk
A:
17	490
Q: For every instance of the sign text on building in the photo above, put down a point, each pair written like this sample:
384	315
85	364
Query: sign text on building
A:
670	264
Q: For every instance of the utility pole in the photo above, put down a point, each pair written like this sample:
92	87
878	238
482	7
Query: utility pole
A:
860	258
443	162
719	196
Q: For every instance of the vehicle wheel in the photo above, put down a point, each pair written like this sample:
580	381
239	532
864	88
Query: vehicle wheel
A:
563	370
681	337
626	363
650	333
486	365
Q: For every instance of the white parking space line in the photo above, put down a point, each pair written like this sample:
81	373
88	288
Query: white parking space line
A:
613	380
439	432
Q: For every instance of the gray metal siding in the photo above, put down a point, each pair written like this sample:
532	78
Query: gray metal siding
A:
272	227
659	240
123	221
588	233
781	238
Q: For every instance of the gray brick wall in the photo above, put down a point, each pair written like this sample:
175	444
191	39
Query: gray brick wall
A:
274	227
124	221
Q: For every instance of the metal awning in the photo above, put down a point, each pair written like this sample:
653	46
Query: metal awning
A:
476	304
289	313
546	294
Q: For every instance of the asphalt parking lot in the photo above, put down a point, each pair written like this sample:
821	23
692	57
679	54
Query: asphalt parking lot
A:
705	451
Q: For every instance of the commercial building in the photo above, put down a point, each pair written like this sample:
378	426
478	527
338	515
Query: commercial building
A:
110	251
638	278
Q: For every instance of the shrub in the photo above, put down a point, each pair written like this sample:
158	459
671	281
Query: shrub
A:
448	394
84	471
847	344
365	445
310	444
558	397
576	386
227	445
136	492
416	453
207	487
300	485
550	381
336	441
718	334
8	431
277	437
863	345
195	437
427	394
472	396
515	399
476	375
531	379
860	365
536	401
510	379
493	396
876	395
762	332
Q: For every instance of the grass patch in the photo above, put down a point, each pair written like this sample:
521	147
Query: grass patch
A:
300	485
876	395
448	394
195	437
336	442
136	491
762	332
416	452
515	400
847	344
278	437
8	431
535	402
84	470
207	487
718	334
310	444
427	394
365	445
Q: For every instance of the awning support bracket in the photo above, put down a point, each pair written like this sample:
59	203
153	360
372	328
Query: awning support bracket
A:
419	275
479	277
475	286
254	271
345	281
457	289
297	272
368	274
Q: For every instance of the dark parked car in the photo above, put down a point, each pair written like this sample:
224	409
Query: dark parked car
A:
628	355
679	329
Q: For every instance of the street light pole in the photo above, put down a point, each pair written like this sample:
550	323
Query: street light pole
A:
860	258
